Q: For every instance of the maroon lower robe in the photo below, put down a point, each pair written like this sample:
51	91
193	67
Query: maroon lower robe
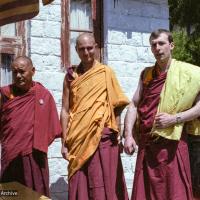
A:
194	149
102	177
162	168
29	124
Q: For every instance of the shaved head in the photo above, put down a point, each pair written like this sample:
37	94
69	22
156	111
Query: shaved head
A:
23	71
85	36
25	59
86	49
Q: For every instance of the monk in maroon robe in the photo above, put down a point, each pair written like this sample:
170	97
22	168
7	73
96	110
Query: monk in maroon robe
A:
162	168
29	124
92	102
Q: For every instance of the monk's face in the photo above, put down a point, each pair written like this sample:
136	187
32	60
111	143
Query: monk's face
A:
23	72
86	49
161	48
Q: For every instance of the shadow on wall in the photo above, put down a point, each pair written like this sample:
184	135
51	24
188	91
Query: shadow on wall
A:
59	189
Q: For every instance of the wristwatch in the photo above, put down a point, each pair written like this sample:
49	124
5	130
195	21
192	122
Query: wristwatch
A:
178	119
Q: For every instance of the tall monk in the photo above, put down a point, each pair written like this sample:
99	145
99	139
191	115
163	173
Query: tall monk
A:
92	103
29	124
165	104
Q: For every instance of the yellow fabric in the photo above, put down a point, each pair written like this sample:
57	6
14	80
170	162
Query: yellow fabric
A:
93	97
22	11
17	10
45	2
181	87
148	75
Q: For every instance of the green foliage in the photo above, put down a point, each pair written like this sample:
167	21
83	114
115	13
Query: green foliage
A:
180	52
187	48
193	46
185	15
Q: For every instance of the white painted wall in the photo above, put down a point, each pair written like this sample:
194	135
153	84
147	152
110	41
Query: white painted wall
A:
126	31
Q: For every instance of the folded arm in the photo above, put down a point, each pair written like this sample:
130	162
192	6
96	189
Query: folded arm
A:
164	120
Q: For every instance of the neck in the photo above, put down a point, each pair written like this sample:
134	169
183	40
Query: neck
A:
87	66
21	91
164	66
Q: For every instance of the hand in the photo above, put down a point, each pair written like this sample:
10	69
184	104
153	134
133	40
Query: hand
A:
164	120
64	151
120	144
129	145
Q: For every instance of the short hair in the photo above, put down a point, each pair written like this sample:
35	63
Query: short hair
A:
29	61
89	35
155	34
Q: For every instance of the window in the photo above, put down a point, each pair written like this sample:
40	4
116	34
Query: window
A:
79	16
12	44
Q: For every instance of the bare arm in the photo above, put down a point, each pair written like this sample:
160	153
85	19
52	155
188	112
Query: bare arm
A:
64	115
130	119
118	112
164	120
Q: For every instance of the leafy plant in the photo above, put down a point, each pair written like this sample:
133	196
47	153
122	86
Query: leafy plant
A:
187	48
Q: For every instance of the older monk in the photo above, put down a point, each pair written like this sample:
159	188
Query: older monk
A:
29	124
92	102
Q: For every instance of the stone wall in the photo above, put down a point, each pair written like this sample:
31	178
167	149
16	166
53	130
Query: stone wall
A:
126	49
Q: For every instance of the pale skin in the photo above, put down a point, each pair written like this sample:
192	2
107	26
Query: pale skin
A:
86	50
161	48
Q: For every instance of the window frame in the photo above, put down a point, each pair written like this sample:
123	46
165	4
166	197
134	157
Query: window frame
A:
14	45
97	18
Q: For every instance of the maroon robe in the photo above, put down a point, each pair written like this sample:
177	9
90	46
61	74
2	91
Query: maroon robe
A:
29	124
162	167
102	177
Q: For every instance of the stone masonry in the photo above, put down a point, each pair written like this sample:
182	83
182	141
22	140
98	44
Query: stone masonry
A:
126	49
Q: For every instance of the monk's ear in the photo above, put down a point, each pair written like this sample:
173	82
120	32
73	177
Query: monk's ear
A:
33	71
172	46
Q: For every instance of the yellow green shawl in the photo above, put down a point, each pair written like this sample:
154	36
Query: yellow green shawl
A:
181	87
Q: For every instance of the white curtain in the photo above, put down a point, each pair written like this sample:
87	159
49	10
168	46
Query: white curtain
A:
80	14
80	19
6	72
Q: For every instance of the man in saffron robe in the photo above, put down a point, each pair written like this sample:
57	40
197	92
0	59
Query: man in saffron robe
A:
92	103
29	124
165	104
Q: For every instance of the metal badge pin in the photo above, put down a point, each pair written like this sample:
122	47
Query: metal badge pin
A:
41	101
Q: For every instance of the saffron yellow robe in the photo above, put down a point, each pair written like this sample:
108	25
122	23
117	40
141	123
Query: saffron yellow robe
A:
93	98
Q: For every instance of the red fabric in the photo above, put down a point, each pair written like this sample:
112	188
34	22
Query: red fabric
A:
32	171
102	176
46	125
28	122
162	168
17	119
33	112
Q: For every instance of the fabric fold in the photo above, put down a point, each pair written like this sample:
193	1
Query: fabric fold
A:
92	105
178	94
